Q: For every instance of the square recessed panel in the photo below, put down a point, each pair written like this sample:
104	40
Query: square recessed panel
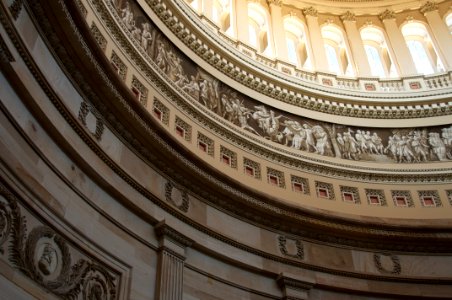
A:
374	199
297	187
180	131
323	193
136	92
273	180
400	201
157	113
428	201
226	159
249	170
202	146
348	197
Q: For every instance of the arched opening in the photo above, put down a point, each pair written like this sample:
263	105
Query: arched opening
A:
296	41
377	52
422	50
336	51
258	28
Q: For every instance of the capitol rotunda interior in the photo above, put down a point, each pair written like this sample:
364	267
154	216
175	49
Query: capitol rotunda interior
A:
226	149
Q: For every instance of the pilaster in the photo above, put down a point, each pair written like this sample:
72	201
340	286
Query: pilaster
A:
356	45
293	289
320	62
398	44
241	9
279	35
440	32
170	265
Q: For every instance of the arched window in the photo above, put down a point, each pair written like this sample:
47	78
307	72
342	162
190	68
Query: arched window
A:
449	22
258	28
296	41
379	58
221	14
422	50
336	51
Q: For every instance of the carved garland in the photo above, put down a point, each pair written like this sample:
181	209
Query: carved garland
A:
283	248
396	267
44	256
169	197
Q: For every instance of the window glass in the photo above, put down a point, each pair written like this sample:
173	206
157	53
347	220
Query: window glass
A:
376	65
420	58
332	58
292	50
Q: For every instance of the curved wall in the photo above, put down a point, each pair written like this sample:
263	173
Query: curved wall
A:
102	198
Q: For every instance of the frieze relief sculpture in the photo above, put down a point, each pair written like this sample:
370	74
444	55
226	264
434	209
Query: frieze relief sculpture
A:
413	145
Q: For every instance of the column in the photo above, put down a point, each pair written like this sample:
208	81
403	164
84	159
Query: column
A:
241	10
294	289
278	33
320	61
170	264
398	44
207	9
440	33
356	45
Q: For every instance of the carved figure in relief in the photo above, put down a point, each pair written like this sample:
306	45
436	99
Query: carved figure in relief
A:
437	144
136	33
294	133
243	114
361	141
404	150
192	87
271	126
161	60
370	143
48	260
419	142
146	36
127	17
377	142
392	147
309	140
260	115
323	146
351	150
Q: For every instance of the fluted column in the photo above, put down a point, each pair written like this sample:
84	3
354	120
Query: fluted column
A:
398	44
279	35
241	10
170	265
356	45
320	61
440	32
